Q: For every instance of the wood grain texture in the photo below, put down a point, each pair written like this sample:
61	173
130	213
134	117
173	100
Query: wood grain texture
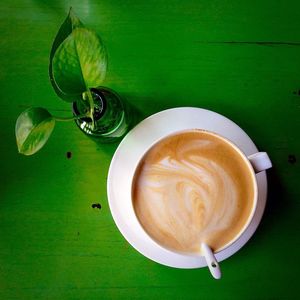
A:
239	58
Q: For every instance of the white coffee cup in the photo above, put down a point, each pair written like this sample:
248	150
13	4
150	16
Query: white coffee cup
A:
256	163
131	151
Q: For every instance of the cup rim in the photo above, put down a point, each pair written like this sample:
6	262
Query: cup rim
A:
236	148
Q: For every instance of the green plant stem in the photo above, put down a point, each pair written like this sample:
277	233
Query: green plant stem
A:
67	119
92	107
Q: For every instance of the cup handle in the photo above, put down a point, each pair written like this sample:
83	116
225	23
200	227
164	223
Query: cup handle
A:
211	261
260	161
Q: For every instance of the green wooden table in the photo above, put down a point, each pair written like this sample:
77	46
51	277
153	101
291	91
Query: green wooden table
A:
238	58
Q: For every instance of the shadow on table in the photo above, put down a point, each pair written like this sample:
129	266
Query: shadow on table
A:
276	207
56	5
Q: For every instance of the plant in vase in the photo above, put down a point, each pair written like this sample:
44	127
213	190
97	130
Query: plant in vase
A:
78	63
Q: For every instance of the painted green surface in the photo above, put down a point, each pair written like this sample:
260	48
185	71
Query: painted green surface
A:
239	58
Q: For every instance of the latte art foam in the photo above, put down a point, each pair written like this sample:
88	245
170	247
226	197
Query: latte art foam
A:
190	188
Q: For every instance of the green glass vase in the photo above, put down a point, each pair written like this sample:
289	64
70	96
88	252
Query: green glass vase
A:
111	115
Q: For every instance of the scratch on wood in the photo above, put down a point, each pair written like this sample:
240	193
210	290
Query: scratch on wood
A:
260	43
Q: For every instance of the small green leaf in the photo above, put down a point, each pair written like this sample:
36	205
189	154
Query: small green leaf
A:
80	62
70	23
33	128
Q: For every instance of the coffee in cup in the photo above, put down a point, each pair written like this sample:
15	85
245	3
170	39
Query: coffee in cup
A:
194	187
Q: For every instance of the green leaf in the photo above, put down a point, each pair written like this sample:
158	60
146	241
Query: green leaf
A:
80	62
33	128
70	23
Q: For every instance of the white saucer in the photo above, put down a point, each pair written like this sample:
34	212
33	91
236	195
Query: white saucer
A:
132	148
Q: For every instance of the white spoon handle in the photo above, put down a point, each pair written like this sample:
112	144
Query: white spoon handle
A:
211	261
